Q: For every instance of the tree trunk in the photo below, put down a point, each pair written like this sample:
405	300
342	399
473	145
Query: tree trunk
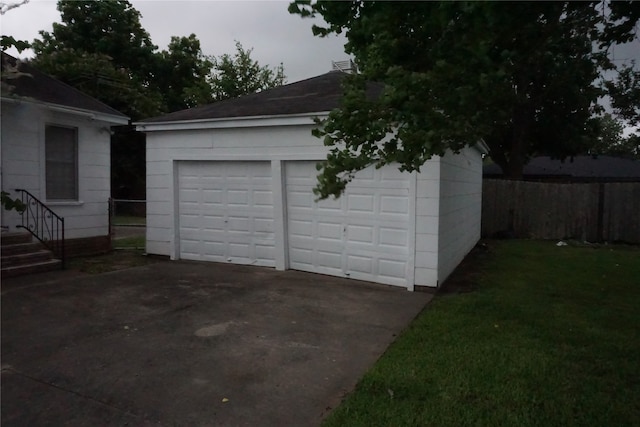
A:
514	168
522	118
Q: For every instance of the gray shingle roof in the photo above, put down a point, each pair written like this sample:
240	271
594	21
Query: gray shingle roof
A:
44	88
578	168
316	94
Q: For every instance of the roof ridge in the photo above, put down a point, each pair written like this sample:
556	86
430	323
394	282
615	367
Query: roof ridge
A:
311	95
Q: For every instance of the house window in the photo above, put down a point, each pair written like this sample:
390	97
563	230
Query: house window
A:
61	151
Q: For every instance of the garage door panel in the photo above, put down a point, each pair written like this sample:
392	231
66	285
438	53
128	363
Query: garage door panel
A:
226	212
394	205
394	237
360	234
239	224
214	249
238	198
303	243
191	246
328	259
214	197
360	203
304	256
391	268
329	231
262	198
301	227
298	199
360	264
368	174
188	195
392	175
198	222
191	234
328	205
364	234
239	249
264	254
263	225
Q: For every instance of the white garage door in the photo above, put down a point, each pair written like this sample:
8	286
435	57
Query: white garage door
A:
363	235
226	212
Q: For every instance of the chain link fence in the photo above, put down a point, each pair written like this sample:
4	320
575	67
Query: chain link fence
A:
126	212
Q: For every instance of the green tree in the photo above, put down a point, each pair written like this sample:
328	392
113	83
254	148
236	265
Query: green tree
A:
609	136
610	139
10	71
183	74
522	78
101	48
108	27
624	92
237	75
96	75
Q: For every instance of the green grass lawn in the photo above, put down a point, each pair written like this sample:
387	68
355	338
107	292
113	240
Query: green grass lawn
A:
128	220
133	242
550	336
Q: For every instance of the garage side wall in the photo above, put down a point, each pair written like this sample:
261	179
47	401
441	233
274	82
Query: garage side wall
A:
427	211
460	208
165	148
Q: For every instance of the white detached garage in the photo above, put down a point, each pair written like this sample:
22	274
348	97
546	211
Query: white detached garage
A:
232	182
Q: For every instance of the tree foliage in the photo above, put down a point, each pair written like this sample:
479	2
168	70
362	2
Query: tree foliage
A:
183	74
524	79
625	94
96	75
10	71
101	48
239	74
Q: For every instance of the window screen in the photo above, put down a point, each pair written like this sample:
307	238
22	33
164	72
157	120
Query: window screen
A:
61	163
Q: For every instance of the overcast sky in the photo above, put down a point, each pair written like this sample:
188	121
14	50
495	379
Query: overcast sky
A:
266	26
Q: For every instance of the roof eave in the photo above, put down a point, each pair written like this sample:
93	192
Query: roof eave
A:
482	147
90	114
232	122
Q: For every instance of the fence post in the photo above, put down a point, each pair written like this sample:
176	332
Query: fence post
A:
600	227
110	214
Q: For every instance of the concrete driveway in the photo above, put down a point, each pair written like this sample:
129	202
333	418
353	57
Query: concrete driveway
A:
190	344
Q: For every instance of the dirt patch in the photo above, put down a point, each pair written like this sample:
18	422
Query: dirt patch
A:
112	261
465	277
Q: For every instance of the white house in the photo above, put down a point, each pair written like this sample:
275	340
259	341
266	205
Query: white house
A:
232	182
55	144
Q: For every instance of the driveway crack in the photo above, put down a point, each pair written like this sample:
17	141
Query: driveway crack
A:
66	390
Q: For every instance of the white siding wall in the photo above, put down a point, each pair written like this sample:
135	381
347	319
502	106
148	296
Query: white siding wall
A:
427	212
167	147
23	166
447	203
460	208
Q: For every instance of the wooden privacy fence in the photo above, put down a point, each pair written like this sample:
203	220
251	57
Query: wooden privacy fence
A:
594	212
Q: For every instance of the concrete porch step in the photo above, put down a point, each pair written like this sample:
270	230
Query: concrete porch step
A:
38	267
36	255
15	237
22	255
20	248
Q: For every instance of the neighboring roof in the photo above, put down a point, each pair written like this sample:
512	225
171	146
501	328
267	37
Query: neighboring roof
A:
317	94
44	88
577	168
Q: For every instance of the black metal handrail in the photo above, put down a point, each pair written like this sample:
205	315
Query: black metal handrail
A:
43	223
